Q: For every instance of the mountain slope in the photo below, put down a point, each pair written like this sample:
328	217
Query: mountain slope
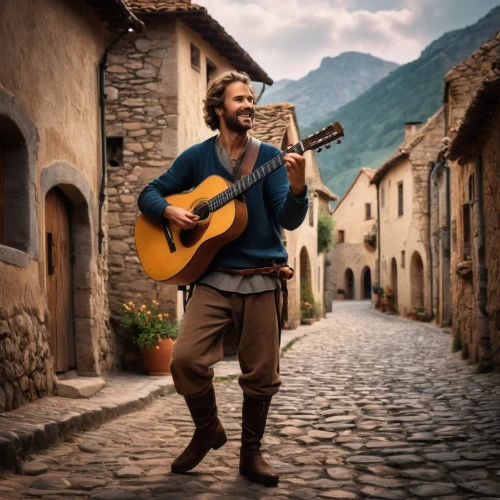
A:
337	81
373	122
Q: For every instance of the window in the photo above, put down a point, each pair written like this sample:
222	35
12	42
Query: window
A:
114	151
18	235
368	211
1	195
340	237
195	57
403	259
211	69
382	197
400	199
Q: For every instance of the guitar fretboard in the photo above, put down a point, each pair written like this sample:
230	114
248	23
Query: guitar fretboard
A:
247	182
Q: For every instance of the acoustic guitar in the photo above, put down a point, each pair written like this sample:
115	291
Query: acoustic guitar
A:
180	256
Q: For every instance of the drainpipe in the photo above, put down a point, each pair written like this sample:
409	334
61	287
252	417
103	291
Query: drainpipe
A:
102	102
260	94
429	204
378	234
447	240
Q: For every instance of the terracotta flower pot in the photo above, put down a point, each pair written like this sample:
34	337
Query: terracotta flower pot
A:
158	358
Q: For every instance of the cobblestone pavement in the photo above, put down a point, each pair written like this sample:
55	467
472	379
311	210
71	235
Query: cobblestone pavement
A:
371	407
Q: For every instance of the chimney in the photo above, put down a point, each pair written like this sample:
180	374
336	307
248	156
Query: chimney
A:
411	129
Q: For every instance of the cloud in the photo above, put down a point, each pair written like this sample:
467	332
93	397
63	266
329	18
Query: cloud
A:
289	39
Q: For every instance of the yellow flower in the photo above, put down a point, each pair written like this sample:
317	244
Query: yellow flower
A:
143	307
131	304
160	316
149	312
156	303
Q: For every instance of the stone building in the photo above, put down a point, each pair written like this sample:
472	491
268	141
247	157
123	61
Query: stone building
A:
472	92
355	224
53	306
403	206
156	82
276	124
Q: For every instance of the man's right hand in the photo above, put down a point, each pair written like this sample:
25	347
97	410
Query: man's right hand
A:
180	217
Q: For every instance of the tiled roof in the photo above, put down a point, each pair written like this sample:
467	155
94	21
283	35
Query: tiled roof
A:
479	109
158	6
116	13
407	147
477	64
197	18
270	124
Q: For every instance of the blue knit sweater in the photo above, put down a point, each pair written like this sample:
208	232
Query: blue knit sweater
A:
269	202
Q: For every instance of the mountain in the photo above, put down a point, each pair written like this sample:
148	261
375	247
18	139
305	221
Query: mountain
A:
373	122
337	81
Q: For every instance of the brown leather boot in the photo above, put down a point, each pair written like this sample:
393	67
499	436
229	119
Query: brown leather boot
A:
252	464
209	433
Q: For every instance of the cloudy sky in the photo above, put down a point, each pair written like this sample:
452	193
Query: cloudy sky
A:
289	38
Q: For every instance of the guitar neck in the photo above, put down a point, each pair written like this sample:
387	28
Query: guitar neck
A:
246	182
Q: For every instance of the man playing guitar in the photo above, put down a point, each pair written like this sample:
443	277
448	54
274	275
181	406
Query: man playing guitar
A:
239	287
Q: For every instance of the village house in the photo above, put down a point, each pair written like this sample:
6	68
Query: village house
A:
403	225
53	306
156	82
276	124
355	225
472	90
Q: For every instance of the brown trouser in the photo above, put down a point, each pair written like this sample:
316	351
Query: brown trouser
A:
200	344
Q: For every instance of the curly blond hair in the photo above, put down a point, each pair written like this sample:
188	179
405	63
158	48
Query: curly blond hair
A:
216	93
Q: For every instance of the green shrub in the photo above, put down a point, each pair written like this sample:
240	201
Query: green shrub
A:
325	232
307	304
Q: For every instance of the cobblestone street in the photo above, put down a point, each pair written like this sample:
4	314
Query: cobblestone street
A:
372	406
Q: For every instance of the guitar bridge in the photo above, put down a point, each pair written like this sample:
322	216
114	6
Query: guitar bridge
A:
168	234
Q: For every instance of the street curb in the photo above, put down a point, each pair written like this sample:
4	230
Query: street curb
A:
25	431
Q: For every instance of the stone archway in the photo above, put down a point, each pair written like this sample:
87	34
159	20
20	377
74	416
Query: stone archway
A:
349	284
417	281
85	269
366	283
394	280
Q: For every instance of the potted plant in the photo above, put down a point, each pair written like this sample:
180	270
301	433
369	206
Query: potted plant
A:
378	291
153	332
389	300
340	294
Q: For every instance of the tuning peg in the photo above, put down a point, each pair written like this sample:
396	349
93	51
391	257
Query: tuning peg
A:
319	150
327	146
339	142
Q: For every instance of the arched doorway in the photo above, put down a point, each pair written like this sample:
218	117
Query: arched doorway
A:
59	275
366	283
349	284
394	280
417	281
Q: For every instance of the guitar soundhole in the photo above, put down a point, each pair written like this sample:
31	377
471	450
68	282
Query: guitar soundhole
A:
202	211
189	237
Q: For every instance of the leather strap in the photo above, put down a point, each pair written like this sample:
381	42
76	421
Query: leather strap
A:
280	271
250	156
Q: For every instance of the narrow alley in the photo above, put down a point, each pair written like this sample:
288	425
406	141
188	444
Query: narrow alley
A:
372	406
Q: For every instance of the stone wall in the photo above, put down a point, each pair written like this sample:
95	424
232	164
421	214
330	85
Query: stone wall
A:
26	367
141	88
40	40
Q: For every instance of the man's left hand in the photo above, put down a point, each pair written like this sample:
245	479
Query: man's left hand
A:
296	168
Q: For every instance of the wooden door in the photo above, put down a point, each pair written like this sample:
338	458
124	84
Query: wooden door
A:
59	270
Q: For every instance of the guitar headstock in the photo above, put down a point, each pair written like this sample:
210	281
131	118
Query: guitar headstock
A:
323	137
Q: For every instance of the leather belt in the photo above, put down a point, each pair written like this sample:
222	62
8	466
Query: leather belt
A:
280	271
